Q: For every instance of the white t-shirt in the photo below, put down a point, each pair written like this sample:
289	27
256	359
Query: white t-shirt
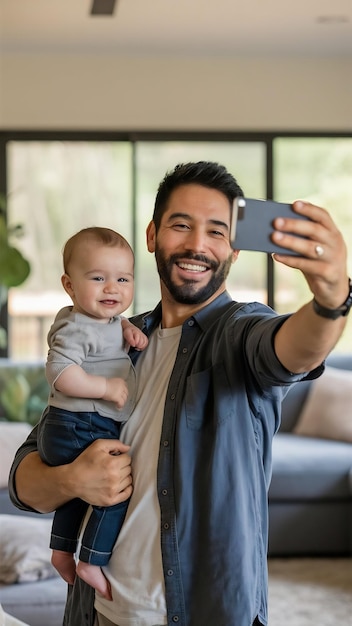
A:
135	568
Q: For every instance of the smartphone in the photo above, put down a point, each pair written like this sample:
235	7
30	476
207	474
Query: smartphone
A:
252	224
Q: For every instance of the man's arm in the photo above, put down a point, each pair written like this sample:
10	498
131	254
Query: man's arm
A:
306	338
101	475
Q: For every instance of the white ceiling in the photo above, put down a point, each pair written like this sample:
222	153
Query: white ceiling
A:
180	27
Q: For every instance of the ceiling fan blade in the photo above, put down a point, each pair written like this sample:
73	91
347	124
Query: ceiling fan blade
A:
103	7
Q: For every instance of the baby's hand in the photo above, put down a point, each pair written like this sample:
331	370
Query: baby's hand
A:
116	391
135	337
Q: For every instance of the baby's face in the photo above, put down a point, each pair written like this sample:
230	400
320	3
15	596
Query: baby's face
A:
100	280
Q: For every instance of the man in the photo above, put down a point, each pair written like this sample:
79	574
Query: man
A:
192	549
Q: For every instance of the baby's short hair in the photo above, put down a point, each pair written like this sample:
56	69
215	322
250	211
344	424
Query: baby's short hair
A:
98	234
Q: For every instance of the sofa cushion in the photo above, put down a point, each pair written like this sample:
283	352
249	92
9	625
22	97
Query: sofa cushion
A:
308	469
327	412
292	405
41	603
294	400
25	555
8	620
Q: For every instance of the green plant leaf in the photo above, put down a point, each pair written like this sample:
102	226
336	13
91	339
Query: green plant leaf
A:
14	268
14	398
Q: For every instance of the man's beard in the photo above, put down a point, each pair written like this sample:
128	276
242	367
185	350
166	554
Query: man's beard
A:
189	292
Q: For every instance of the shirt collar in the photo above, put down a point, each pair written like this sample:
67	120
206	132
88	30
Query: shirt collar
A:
203	317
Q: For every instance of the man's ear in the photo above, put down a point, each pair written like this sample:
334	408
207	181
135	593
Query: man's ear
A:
67	284
151	236
235	254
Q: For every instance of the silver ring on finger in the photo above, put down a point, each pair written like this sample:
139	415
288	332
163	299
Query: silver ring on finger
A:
319	251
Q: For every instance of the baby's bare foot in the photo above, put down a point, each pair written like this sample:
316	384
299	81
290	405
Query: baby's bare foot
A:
65	564
93	575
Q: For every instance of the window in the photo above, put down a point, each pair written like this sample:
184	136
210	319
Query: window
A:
246	160
56	187
59	183
316	169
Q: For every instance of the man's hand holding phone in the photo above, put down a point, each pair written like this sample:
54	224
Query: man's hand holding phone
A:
302	236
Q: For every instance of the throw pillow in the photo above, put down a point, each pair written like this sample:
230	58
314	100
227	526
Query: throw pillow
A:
327	412
25	555
12	435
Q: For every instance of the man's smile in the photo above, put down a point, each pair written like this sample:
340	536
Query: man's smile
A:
192	267
196	264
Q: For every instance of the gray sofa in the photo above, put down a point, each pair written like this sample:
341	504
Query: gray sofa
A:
310	496
39	603
310	501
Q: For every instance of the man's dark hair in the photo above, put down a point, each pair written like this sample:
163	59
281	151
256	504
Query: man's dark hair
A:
205	173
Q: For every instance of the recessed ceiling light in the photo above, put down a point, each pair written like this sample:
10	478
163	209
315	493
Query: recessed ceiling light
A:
103	7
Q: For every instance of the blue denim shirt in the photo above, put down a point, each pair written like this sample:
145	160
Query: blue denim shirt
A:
222	410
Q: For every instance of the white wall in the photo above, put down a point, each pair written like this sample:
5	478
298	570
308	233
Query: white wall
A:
102	92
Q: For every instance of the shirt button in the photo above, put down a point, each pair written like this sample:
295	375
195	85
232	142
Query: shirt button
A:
175	619
185	350
172	396
165	443
190	323
166	526
170	572
164	492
